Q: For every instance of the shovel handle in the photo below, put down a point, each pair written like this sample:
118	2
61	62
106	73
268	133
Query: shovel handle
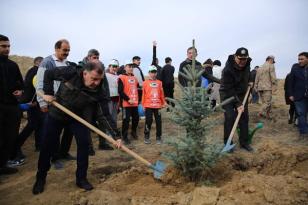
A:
98	131
238	117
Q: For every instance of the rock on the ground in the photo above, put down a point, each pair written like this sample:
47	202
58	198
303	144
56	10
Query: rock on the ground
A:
205	196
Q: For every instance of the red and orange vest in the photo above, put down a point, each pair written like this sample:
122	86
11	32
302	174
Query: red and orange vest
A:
130	84
153	94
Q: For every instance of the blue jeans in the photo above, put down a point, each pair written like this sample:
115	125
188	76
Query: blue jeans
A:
50	141
255	97
301	107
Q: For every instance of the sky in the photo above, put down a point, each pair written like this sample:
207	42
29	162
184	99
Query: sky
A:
123	29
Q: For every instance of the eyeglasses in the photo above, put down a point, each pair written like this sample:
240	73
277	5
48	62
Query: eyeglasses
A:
114	66
66	50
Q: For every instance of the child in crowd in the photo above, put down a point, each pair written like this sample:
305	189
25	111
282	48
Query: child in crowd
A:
128	91
153	100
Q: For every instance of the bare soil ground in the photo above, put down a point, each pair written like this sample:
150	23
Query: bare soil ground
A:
276	173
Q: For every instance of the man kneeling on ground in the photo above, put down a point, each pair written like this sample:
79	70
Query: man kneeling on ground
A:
81	93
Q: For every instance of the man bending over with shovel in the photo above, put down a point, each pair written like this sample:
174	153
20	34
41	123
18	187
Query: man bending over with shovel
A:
81	93
234	82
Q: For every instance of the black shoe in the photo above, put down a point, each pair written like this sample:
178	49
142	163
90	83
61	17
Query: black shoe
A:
68	157
126	141
20	155
105	147
7	170
58	165
247	148
91	151
134	135
84	184
38	186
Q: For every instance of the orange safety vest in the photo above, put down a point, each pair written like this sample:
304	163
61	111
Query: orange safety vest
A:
153	94
130	84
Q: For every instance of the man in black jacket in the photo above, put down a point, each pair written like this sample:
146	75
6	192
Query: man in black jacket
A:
35	119
167	79
298	91
11	85
155	61
292	111
254	92
188	61
234	82
80	92
93	55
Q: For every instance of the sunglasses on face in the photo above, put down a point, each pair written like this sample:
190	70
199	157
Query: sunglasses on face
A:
114	66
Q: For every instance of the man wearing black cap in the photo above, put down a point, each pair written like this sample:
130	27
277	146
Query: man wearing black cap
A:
234	82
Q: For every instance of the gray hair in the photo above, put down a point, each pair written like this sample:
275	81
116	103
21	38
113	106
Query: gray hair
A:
93	52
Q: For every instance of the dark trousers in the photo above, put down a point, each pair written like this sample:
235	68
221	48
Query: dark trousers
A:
10	116
129	112
149	112
61	149
230	116
254	97
302	110
139	95
35	123
168	91
292	112
50	141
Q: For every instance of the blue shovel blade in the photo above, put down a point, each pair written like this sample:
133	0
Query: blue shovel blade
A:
159	168
228	147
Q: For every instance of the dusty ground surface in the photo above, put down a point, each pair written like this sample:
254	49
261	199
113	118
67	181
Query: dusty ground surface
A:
276	173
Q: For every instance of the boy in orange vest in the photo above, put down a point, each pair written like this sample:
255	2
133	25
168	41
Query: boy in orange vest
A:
128	91
153	100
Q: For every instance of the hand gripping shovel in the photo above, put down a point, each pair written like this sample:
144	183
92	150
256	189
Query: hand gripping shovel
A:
159	166
228	145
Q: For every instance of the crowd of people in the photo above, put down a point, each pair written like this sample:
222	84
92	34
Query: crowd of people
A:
99	94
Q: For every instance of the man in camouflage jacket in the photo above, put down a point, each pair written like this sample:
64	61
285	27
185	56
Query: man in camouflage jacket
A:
265	85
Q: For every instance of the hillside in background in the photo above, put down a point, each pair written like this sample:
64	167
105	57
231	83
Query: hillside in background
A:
24	62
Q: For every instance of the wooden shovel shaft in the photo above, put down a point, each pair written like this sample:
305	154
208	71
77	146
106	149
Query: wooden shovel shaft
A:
99	132
239	115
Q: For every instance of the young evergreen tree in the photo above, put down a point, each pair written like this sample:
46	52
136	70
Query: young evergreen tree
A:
193	154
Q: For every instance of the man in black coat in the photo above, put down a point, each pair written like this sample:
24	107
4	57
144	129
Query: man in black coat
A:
34	117
80	92
292	111
167	79
254	93
234	83
298	91
155	61
188	61
11	86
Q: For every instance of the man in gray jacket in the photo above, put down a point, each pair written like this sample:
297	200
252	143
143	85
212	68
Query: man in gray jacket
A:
62	49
